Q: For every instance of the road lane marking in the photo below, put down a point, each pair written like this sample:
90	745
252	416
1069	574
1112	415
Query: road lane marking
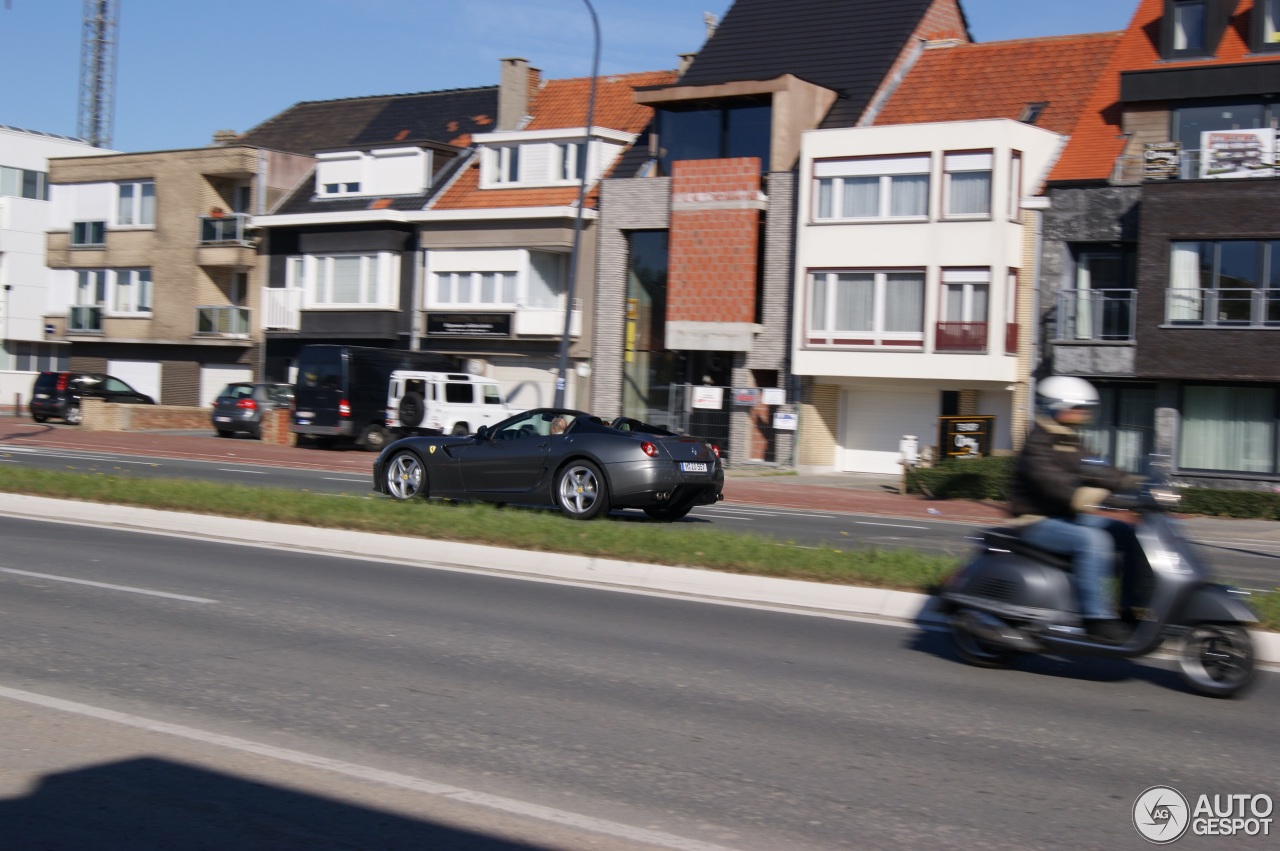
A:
894	525
348	481
247	472
761	512
107	585
364	772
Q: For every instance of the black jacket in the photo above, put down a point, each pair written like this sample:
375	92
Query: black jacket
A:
1051	479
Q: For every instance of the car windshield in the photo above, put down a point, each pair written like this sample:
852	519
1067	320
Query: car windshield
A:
237	391
535	424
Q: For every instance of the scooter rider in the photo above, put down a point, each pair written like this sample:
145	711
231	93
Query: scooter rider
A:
1053	489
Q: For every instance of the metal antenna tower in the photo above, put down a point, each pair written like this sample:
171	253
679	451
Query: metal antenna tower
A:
98	72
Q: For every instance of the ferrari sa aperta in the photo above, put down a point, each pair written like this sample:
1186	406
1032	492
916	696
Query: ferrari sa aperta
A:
560	458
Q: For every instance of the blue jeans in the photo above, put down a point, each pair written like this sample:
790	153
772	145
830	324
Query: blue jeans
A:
1092	541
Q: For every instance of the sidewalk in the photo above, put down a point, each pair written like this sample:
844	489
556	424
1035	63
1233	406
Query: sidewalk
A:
844	492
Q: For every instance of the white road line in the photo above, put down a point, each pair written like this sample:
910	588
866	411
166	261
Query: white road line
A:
349	481
106	585
364	772
894	525
248	472
765	512
112	459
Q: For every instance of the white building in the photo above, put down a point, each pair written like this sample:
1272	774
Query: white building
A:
911	256
24	279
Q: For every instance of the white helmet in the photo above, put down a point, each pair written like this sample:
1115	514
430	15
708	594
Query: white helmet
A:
1061	392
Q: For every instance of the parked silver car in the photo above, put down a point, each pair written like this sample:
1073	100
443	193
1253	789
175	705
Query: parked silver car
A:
240	406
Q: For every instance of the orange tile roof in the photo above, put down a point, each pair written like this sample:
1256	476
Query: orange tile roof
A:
1097	141
561	104
998	79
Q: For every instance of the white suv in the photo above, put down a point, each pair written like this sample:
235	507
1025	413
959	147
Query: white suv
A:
442	403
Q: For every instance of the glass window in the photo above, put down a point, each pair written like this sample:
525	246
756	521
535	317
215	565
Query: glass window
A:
1228	428
88	233
1270	12
1188	26
866	308
741	129
1226	282
33	185
968	184
490	289
1015	185
345	280
647	368
1190	121
1123	429
132	291
546	278
10	182
492	396
457	393
880	188
136	203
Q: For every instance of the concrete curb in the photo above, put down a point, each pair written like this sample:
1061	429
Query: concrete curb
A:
814	597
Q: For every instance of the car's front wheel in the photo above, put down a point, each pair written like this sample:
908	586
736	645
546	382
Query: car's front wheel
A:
72	415
581	491
405	477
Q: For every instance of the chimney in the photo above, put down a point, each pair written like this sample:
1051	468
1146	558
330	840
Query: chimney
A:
686	59
223	138
513	93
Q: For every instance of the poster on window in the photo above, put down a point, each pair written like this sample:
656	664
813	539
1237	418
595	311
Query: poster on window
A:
1238	153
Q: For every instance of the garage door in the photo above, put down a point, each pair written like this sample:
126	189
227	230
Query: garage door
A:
213	377
141	375
873	421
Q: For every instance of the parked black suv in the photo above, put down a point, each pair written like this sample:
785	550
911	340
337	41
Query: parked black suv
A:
58	394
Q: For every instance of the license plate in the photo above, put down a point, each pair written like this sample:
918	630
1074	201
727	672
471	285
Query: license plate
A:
222	419
42	395
304	415
693	466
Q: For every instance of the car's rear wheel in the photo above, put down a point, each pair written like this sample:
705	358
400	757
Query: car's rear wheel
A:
405	476
222	432
72	414
581	491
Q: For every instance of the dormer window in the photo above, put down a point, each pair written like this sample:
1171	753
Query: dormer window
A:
1266	26
506	164
547	158
1189	27
571	161
351	188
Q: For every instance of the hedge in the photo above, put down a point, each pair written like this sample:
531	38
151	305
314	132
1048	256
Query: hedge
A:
989	478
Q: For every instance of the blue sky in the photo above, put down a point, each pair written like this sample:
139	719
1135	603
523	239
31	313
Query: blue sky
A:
187	69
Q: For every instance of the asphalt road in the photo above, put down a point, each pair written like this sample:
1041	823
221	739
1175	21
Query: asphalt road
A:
671	722
1248	558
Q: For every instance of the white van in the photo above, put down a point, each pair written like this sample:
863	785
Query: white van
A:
442	403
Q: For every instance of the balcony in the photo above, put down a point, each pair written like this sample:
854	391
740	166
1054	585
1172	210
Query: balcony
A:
967	337
282	309
1223	308
547	322
222	321
224	241
1011	338
84	319
1096	316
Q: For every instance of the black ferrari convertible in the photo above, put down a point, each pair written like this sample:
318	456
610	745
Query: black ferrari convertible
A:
561	458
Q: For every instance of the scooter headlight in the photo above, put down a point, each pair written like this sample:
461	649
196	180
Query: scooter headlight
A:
1166	497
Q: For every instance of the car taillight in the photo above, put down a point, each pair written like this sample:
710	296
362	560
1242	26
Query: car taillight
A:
714	448
344	408
62	381
649	449
247	404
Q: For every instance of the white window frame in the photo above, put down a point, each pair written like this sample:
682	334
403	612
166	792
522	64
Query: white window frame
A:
447	287
827	336
504	165
966	162
570	161
88	229
967	282
130	292
1015	186
834	173
140	213
313	274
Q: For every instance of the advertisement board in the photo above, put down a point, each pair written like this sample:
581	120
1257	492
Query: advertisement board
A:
966	437
1238	153
1161	160
708	398
468	324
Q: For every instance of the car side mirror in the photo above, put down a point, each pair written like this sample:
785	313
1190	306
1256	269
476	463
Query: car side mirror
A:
482	433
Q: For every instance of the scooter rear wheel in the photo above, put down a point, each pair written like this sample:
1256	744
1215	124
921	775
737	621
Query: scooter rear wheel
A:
1217	659
974	650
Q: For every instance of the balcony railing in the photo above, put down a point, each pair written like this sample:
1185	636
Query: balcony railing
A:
1097	316
1131	170
960	337
85	319
1011	338
223	230
282	308
222	321
1226	308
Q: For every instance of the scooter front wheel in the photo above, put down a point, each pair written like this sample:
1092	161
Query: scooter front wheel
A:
974	649
1217	659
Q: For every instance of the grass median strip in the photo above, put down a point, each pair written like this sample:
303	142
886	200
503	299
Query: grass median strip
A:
630	537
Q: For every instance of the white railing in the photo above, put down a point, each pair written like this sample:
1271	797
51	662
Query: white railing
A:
1227	308
282	309
223	230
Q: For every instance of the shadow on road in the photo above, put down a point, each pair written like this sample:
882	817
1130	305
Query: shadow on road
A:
1082	668
156	803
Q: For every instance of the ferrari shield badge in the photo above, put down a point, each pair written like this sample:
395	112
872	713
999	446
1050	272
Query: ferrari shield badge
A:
432	450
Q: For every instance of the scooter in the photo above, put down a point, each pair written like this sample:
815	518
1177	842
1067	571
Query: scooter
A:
1015	599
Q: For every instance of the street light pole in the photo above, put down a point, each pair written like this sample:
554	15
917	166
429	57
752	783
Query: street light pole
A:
562	372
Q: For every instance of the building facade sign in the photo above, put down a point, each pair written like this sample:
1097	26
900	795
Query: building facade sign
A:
1238	153
469	325
1161	160
966	437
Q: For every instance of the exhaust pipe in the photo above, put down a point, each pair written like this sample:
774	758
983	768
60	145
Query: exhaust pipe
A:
992	630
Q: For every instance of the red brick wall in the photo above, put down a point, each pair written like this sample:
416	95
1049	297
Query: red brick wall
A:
711	274
943	20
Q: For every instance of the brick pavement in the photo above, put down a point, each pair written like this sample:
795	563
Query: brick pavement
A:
778	491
